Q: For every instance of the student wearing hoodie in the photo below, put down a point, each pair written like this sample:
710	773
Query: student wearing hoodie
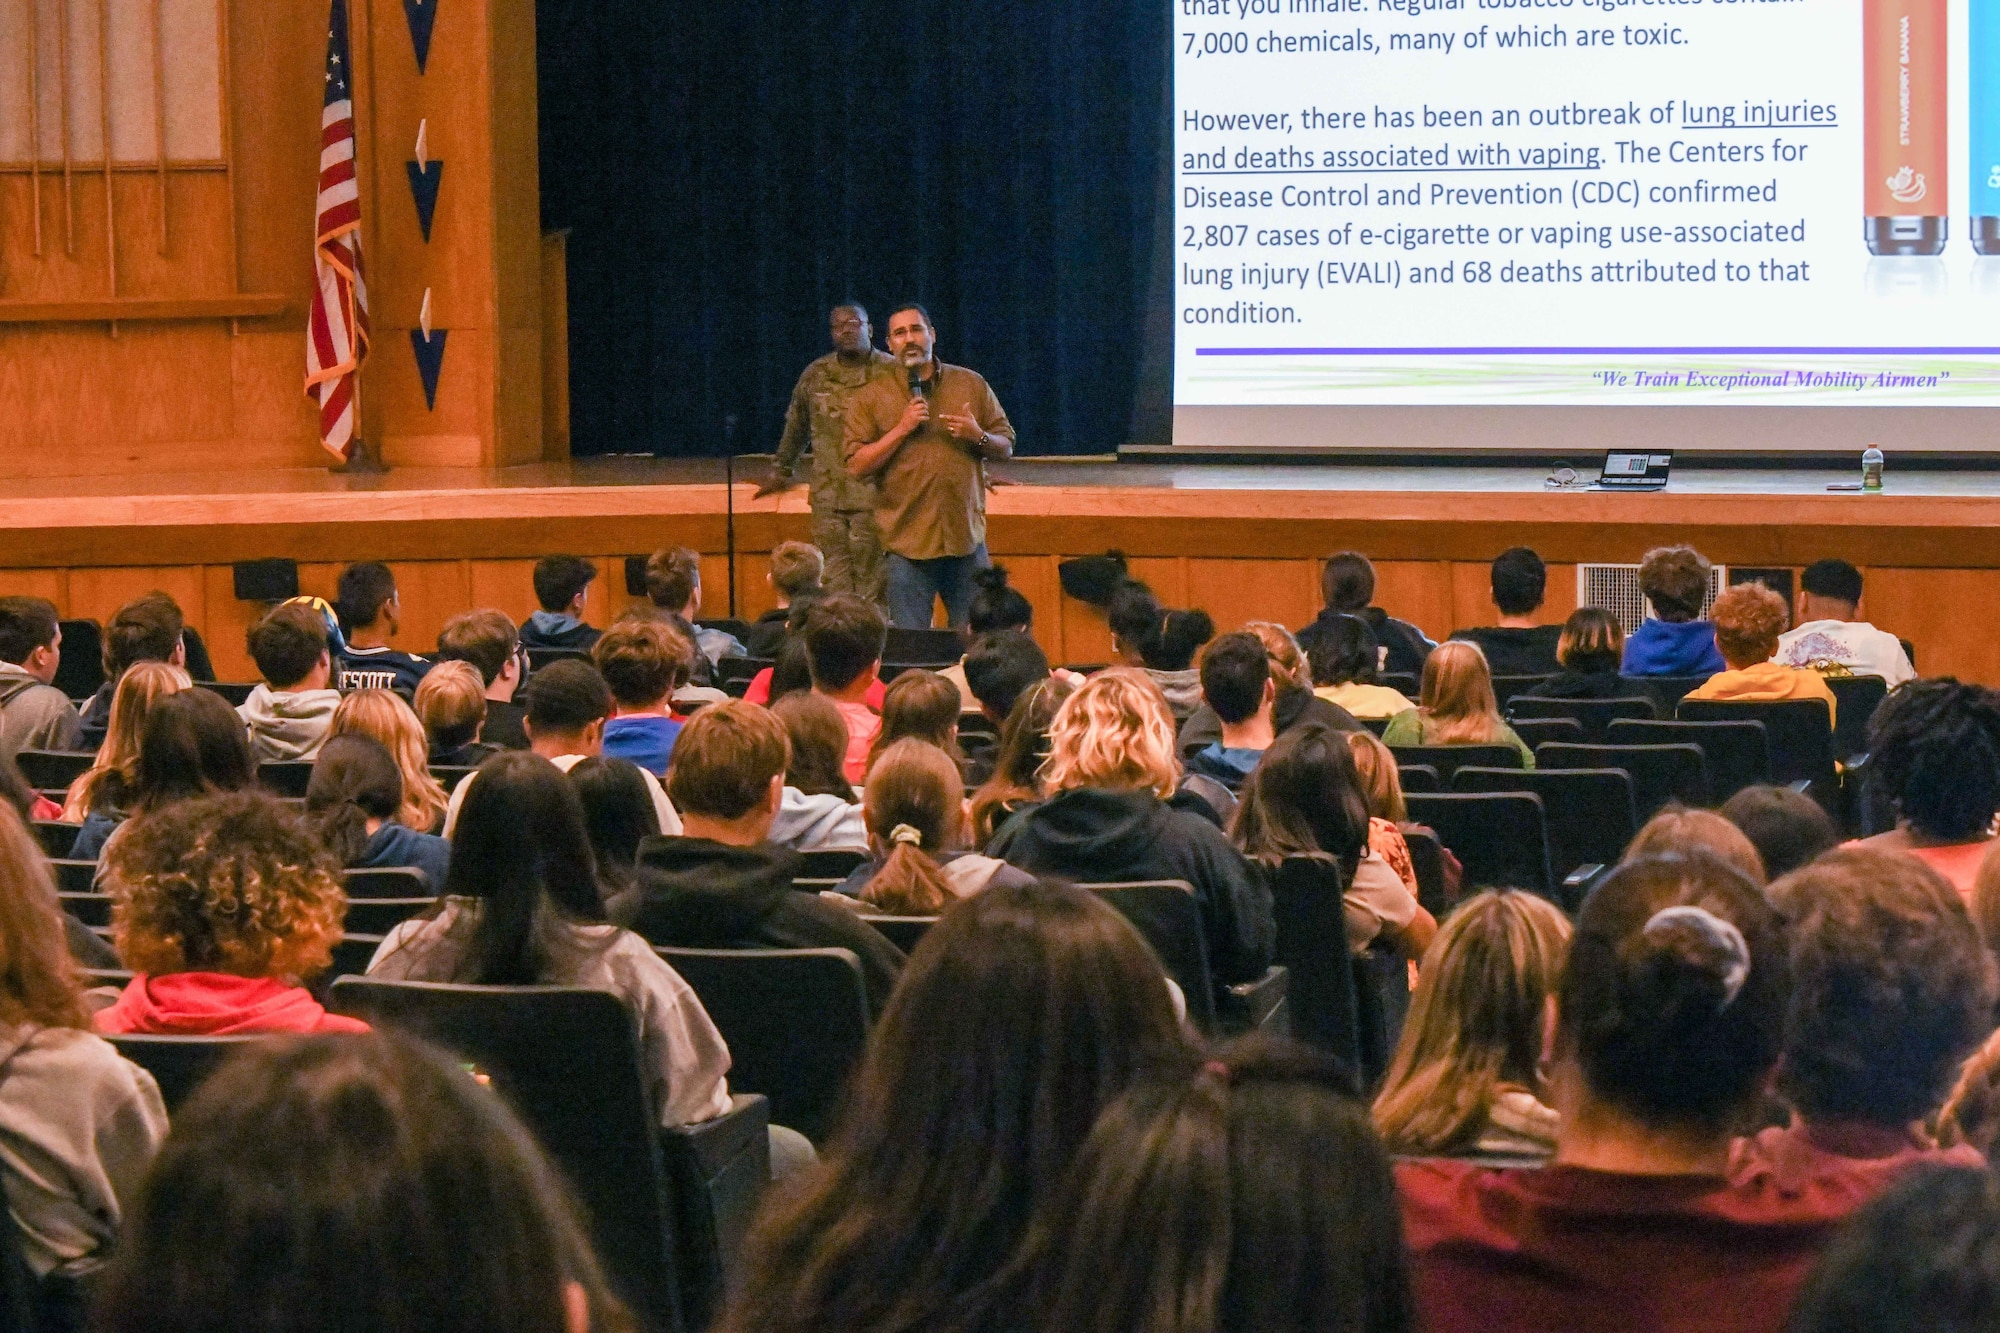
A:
1160	642
819	811
290	714
1347	585
81	1123
34	714
1236	682
192	744
352	802
371	614
218	905
721	885
1672	641
562	583
149	629
1110	772
917	862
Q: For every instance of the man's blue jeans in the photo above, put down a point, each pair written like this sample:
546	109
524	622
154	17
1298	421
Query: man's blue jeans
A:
913	584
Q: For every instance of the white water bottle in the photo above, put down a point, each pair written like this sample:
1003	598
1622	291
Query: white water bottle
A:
1871	469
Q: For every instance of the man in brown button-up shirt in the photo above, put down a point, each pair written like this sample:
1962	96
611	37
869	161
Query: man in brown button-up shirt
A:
926	436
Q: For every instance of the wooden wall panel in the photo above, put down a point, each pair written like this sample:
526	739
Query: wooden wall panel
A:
504	585
1417	591
224	623
1945	613
96	594
52	584
1235	591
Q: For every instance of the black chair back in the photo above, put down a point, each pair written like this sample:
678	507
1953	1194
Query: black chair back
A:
1501	838
568	1061
1858	697
1404	683
1418	777
1448	759
1506	687
388	882
379	916
1665	691
56	838
1377	725
1800	733
1590	812
1596	715
93	909
1540	730
351	956
450	775
796	1021
54	769
732	669
1312	946
835	863
541	657
178	1064
738	630
1382	994
1660	773
235	695
1738	754
80	673
74	876
905	932
289	777
922	647
1427	860
1164	912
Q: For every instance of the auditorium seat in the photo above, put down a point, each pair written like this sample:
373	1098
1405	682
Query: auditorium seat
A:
541	657
1448	759
234	695
74	876
1660	773
835	863
1427	861
1534	731
450	775
288	777
1377	725
1382	995
1418	777
178	1064
905	932
1665	691
55	837
795	1020
1858	697
351	955
1164	912
922	647
1402	682
667	1210
730	670
1501	838
379	916
388	882
1312	948
1506	687
80	672
93	909
1800	734
1596	715
54	769
1738	754
738	630
1590	812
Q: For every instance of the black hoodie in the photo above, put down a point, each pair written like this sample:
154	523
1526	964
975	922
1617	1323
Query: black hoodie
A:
1408	646
692	893
1293	707
1095	835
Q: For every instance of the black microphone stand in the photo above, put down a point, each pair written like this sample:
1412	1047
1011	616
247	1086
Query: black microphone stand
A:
729	492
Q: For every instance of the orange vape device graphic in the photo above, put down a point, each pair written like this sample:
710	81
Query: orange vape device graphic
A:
1905	176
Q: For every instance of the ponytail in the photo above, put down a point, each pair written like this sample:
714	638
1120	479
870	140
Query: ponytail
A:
344	830
909	883
914	806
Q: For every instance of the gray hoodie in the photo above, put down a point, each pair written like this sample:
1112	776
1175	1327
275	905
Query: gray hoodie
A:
817	823
288	726
34	716
79	1125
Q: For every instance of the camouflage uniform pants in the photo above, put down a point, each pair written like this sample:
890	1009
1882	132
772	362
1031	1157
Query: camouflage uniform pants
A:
853	551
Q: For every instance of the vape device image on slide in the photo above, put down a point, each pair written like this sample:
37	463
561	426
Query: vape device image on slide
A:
1905	194
1983	190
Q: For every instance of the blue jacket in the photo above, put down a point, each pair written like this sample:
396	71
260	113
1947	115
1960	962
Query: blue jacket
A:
1226	765
394	846
645	741
1673	648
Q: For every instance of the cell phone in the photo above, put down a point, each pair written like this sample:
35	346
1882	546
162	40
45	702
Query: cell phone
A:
1843	485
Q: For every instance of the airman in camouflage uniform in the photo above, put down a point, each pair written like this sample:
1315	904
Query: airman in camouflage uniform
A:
843	506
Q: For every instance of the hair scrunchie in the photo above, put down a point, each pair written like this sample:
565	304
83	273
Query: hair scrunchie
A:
1731	952
906	833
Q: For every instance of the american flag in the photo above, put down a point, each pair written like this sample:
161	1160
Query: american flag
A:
337	330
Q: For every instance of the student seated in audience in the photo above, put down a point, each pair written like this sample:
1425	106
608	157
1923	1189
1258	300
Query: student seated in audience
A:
1923	1258
721	885
1268	1137
371	614
1024	1011
1304	800
998	666
821	809
1748	619
34	714
1344	655
562	587
384	717
1381	785
521	907
1891	989
219	904
1456	705
109	782
1347	585
1293	703
1589	652
349	1183
290	713
617	817
568	705
1829	639
148	629
918	865
31	805
354	803
1236	682
844	637
920	705
1518	646
1676	829
1672	641
489	641
82	1124
1667	1025
451	703
643	661
192	744
1015	782
1934	752
1970	1115
1788	828
796	571
1466	1079
673	584
997	607
1110	773
1162	643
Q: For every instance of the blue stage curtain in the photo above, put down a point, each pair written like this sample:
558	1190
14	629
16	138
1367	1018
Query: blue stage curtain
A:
730	169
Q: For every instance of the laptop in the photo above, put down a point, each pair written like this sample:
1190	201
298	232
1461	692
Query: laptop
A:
1625	471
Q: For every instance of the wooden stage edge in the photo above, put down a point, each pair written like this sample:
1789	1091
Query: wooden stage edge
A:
1243	541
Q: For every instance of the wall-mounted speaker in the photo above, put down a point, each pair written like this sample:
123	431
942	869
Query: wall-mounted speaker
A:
635	575
266	580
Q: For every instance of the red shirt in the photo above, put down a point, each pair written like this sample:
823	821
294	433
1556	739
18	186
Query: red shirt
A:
213	1004
1838	1167
759	691
1582	1251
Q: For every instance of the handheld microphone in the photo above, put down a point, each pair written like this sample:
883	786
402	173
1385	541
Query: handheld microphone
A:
916	381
